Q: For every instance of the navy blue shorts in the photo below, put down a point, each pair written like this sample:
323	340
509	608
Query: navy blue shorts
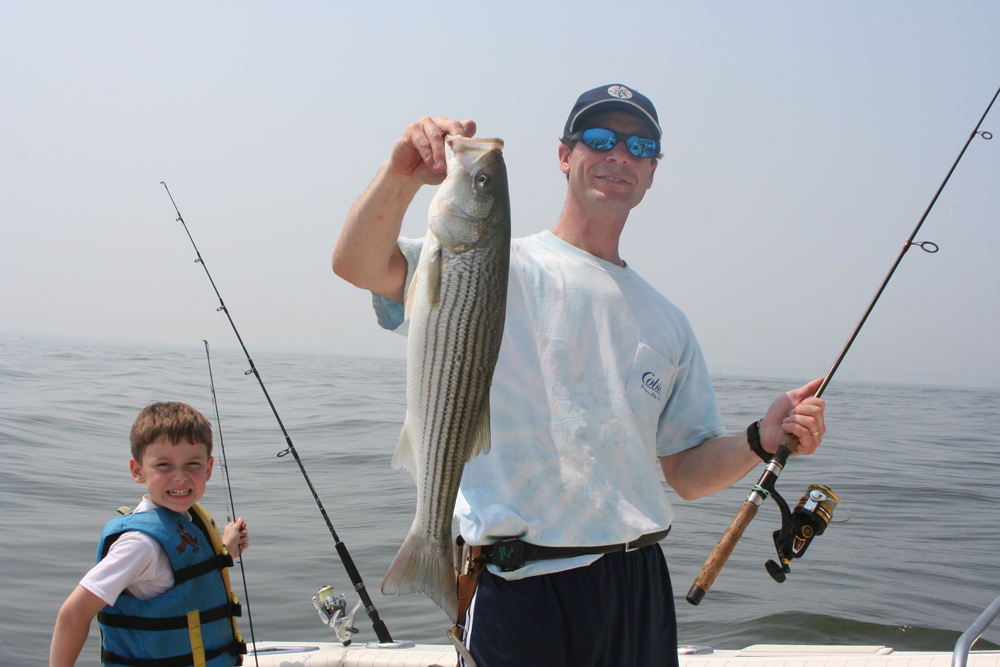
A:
617	611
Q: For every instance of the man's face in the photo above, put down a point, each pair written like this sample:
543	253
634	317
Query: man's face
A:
613	179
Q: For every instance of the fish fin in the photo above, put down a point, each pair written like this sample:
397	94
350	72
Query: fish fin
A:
411	296
431	282
434	276
481	439
403	456
424	567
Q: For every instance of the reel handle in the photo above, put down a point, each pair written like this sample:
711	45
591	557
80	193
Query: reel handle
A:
748	510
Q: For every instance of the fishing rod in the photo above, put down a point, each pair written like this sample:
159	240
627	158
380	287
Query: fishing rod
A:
819	502
232	506
381	631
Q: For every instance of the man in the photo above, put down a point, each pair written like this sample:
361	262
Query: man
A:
598	377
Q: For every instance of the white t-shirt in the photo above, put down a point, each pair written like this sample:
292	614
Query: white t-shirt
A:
136	562
598	375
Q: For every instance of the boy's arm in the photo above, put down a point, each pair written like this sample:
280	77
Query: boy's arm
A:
73	626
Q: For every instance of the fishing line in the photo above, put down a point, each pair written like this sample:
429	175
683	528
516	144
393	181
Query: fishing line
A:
300	550
765	486
381	631
23	657
229	486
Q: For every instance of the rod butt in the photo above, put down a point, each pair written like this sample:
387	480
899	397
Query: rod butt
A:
695	595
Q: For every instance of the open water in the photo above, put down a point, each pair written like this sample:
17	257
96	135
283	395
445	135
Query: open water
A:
918	467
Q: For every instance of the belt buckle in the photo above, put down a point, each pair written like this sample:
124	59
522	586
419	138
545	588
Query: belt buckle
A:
508	554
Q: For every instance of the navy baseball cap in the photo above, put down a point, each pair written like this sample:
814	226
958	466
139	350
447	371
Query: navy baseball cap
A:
615	97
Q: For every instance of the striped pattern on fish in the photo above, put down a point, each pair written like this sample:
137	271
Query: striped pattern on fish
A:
455	307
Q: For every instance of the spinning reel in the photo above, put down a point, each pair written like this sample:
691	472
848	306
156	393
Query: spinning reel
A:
799	526
332	611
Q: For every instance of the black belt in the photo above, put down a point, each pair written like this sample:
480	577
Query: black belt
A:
511	553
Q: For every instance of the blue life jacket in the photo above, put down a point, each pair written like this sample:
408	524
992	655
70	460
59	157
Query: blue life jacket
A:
191	625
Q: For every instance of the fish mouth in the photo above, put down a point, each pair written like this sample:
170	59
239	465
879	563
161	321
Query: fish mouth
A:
467	152
460	144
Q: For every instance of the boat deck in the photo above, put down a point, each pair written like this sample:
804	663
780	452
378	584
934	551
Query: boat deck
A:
289	654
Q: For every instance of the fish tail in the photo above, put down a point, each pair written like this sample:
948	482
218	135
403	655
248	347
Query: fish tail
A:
422	566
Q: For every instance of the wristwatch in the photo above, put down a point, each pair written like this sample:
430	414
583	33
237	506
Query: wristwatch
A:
753	437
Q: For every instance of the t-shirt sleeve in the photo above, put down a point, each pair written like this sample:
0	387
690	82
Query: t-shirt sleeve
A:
131	559
391	314
691	414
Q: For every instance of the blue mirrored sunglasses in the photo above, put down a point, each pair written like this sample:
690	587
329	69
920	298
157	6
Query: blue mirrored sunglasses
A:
602	139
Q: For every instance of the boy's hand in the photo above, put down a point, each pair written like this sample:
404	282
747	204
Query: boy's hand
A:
236	538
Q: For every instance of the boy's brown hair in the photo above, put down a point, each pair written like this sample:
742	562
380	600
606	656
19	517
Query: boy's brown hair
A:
177	421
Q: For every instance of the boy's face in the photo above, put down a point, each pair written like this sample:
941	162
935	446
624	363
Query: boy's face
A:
175	475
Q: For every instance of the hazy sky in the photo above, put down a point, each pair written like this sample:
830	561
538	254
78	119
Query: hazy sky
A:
803	142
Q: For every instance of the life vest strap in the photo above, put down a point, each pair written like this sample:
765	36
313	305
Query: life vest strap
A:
168	622
194	633
219	562
187	660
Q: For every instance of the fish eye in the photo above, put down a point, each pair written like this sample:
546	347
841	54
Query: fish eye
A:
483	179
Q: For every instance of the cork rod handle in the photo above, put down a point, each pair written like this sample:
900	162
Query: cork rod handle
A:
748	510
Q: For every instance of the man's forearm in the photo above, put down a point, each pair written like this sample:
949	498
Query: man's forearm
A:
719	463
713	465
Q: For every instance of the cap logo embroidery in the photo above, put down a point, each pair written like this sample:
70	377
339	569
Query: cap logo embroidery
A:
621	92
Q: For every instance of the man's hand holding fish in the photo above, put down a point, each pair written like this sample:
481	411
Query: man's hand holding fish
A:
421	149
366	253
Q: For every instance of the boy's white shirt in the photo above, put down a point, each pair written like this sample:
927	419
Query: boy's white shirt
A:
135	563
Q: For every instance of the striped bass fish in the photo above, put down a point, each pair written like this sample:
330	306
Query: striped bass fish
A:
455	306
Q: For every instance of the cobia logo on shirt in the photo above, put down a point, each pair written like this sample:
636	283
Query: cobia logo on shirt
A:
651	384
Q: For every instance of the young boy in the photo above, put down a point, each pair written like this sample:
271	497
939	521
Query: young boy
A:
160	589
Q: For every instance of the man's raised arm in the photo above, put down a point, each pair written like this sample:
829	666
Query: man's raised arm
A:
366	254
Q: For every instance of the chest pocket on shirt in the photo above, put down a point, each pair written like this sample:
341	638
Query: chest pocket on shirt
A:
649	383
